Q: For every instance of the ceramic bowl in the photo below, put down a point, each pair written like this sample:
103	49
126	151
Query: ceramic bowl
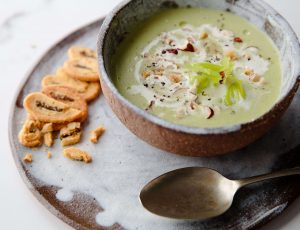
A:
185	140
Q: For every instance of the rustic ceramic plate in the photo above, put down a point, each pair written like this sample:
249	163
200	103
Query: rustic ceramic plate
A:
105	192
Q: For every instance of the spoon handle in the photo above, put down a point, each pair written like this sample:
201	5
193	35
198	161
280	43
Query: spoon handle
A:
282	173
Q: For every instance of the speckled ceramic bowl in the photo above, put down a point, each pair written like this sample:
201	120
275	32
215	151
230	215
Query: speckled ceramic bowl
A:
185	140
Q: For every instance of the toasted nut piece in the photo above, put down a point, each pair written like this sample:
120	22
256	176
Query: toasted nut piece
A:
30	134
82	69
169	41
49	155
248	71
208	112
70	134
257	79
96	134
46	109
158	71
150	106
194	105
175	78
68	96
232	55
204	35
146	73
78	52
88	90
189	48
27	158
77	155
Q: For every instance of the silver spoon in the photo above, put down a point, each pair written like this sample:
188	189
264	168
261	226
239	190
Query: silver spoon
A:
196	193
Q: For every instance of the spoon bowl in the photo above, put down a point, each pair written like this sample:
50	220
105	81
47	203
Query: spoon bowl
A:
196	193
189	193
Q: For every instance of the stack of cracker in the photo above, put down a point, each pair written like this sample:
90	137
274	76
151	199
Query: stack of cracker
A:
62	104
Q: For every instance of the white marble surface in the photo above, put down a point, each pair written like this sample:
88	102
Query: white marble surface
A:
27	29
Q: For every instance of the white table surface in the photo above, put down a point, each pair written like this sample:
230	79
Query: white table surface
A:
27	29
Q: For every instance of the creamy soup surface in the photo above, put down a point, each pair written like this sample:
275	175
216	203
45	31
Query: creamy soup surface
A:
199	67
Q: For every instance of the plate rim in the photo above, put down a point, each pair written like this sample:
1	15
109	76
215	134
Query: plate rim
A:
27	178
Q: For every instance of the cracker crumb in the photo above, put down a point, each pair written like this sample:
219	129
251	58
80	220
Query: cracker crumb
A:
70	134
96	134
77	155
28	158
49	155
48	139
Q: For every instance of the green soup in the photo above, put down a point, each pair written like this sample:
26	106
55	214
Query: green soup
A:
199	67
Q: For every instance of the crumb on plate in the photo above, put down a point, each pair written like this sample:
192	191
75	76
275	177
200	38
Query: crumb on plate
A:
96	134
27	158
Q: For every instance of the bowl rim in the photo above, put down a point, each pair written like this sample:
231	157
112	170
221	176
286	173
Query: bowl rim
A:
189	129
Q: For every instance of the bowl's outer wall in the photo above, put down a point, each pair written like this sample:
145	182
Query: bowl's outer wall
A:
179	139
194	144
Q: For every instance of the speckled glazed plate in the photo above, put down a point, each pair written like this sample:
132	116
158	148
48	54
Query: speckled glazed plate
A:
104	194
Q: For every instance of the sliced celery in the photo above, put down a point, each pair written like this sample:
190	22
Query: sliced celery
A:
209	73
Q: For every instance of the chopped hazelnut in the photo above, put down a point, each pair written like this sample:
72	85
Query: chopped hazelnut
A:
249	72
146	73
158	71
204	35
232	55
175	78
256	78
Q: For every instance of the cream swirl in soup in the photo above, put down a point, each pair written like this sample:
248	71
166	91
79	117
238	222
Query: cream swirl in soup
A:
182	67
